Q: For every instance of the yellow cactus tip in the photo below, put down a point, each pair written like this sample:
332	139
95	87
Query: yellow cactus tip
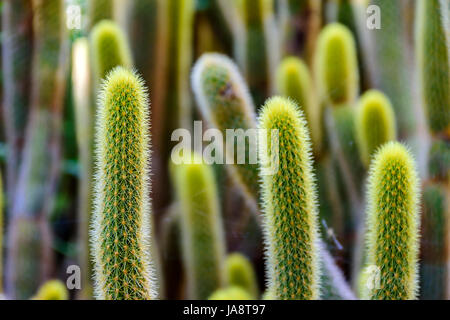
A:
230	293
52	290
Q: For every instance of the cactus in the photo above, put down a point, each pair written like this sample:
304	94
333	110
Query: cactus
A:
201	227
393	223
375	124
223	100
231	293
121	228
1	232
261	52
433	267
52	290
109	48
39	170
439	161
240	273
388	56
433	51
289	196
336	65
99	10
294	81
16	65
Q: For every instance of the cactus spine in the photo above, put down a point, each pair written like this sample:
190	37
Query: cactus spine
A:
240	273
289	197
121	226
224	100
109	48
294	81
336	65
231	293
433	51
393	223
52	290
201	227
375	124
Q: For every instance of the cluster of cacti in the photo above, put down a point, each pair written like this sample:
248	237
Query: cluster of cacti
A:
336	189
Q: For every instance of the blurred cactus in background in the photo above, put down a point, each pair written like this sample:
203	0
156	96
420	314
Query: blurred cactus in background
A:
231	293
52	290
240	273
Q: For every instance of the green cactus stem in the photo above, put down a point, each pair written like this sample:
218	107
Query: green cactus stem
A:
109	48
231	293
439	161
240	273
375	124
98	10
121	226
290	209
336	65
2	218
52	290
393	223
294	81
224	101
201	227
433	51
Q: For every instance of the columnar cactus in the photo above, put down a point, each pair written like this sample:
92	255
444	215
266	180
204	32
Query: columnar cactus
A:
294	81
393	223
439	161
231	293
201	227
289	200
375	123
99	10
336	65
433	51
121	226
52	290
224	100
109	48
240	273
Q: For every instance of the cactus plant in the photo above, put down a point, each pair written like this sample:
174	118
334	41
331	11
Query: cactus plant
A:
393	223
231	293
290	208
240	273
201	227
223	100
433	51
375	123
109	48
294	81
121	226
52	290
99	10
1	232
439	161
336	65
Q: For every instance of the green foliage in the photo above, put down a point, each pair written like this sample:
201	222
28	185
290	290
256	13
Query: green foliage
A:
240	273
336	65
393	223
289	200
375	123
433	51
121	227
231	293
109	48
52	290
201	227
224	101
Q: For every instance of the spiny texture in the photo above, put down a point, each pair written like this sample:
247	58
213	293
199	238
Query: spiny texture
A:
289	200
121	226
231	293
388	57
201	227
98	10
52	290
375	123
439	160
224	100
109	48
434	244
433	51
393	222
240	273
294	81
336	65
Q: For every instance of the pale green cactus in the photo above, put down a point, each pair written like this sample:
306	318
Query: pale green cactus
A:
240	273
121	226
231	293
52	290
289	200
393	223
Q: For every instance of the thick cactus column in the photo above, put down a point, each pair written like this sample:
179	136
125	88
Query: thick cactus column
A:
122	223
290	209
393	223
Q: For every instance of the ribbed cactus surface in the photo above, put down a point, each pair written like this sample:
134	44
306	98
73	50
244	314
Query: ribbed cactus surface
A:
121	226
